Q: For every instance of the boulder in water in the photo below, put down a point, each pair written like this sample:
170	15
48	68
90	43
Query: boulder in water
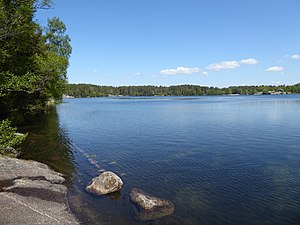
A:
150	207
105	183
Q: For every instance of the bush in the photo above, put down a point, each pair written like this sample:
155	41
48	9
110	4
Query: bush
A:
9	138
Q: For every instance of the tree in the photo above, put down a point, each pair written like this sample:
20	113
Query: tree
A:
33	63
59	52
57	40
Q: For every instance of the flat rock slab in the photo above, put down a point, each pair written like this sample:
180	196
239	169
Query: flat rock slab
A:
149	207
12	168
32	193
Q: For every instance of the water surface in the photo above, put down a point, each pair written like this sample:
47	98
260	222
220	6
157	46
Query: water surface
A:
221	160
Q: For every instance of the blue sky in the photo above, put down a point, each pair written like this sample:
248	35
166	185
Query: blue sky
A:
170	42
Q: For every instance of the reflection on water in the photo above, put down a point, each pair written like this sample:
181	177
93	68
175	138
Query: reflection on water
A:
48	142
220	160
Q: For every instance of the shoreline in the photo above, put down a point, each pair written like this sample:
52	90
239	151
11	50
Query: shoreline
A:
32	193
154	96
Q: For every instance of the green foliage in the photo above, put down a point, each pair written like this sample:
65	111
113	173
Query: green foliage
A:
54	70
9	136
89	90
33	62
43	4
27	83
56	38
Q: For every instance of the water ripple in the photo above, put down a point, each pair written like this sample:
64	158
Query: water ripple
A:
220	160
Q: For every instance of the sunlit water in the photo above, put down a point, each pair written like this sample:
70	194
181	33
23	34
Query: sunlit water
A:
220	160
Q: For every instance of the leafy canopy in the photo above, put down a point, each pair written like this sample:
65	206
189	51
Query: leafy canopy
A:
33	60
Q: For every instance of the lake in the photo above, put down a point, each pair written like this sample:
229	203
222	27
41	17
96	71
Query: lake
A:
220	159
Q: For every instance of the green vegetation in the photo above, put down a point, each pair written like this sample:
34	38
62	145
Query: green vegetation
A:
89	90
33	61
9	137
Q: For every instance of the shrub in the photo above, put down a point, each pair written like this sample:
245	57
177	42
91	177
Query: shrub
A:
9	138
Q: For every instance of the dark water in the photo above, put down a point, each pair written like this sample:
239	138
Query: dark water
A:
220	160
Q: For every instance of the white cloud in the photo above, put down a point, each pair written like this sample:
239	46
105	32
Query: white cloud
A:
231	64
95	71
295	56
180	70
275	69
223	65
137	73
205	73
249	61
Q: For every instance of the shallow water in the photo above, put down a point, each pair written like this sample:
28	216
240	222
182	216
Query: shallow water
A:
220	160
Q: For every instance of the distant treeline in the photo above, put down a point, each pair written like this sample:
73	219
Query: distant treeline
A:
90	90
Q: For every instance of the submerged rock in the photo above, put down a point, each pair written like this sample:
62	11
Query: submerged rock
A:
105	183
150	207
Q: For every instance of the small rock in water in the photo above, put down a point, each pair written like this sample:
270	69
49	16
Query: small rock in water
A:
93	161
150	207
105	183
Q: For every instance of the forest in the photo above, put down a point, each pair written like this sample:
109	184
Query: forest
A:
90	90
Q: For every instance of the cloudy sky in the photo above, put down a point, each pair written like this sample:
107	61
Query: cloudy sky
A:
169	42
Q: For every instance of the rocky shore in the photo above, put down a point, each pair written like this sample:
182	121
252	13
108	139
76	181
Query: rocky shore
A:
32	193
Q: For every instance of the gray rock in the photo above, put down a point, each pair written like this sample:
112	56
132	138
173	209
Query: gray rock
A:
36	184
150	207
32	193
12	169
105	183
18	209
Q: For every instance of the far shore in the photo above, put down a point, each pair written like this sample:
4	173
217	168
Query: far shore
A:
91	90
120	96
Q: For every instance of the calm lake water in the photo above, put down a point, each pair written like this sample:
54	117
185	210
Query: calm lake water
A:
220	160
